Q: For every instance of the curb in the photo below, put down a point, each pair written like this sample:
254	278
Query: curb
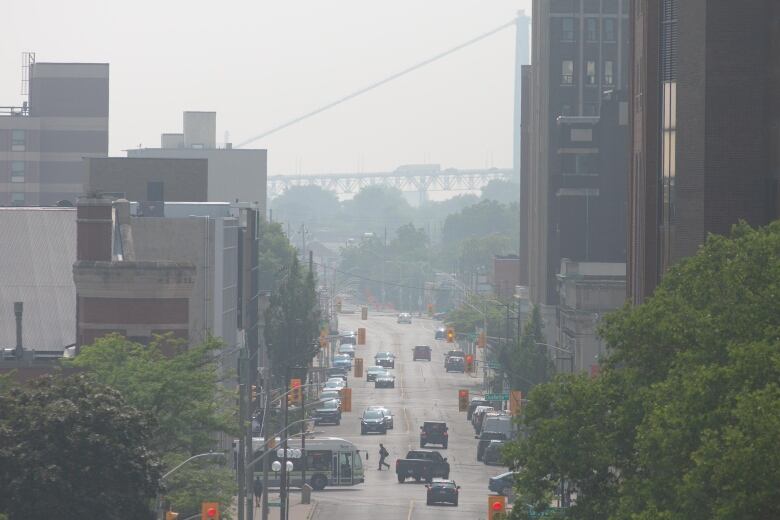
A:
312	510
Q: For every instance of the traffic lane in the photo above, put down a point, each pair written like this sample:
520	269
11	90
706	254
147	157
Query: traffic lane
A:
423	392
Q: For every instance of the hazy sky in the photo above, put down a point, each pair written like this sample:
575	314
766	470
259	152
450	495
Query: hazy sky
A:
260	63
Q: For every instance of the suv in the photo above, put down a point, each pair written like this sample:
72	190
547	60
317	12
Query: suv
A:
441	333
373	421
405	317
434	432
441	490
485	439
385	359
421	352
453	353
455	364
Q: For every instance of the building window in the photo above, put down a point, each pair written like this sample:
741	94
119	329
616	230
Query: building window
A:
609	30
590	109
609	73
567	72
17	199
668	44
590	73
592	29
580	164
18	143
567	33
17	171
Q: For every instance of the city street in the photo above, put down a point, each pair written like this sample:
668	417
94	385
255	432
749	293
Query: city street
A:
423	392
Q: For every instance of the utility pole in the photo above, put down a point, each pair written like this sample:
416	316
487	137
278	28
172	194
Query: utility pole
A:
266	430
242	412
283	484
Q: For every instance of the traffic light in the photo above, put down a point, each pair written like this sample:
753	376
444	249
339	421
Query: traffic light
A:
496	507
346	399
515	402
361	339
295	391
482	339
469	363
450	335
463	400
358	367
209	511
253	394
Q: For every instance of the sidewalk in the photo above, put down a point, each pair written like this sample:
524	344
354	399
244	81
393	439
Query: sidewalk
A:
298	511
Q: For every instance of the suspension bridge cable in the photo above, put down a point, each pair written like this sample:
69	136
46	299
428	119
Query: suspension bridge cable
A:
377	84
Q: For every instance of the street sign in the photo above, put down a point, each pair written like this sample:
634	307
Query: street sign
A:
495	365
550	511
496	397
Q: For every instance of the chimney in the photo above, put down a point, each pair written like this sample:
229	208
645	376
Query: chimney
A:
18	310
93	228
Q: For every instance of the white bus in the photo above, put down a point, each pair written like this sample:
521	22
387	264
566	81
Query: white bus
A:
330	461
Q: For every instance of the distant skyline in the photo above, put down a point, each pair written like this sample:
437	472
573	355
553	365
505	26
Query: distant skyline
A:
259	65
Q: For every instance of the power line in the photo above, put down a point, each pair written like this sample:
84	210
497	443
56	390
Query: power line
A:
377	84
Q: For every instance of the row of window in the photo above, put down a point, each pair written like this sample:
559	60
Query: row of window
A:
567	72
608	29
18	141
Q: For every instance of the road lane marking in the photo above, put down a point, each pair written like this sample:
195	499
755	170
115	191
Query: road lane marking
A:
411	510
406	420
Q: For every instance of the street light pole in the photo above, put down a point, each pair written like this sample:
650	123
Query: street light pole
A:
283	483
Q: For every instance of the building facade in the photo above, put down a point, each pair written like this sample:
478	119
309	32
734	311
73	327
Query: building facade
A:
233	174
42	143
579	59
705	130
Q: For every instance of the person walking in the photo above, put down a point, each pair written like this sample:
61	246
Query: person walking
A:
258	490
383	454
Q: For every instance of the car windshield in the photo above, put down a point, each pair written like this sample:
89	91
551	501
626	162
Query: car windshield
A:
375	369
434	427
384	374
444	484
330	404
334	384
329	395
373	414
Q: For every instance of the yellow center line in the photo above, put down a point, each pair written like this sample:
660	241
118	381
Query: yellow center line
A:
411	509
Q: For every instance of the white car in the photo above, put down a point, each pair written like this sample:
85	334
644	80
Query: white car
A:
347	349
334	385
339	380
404	317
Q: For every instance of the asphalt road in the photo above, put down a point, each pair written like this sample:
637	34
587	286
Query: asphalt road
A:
424	391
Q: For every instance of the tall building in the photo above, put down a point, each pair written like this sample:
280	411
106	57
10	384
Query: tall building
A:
705	129
575	165
233	174
42	143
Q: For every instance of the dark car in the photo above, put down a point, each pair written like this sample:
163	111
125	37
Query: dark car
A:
455	364
440	490
492	453
440	333
373	421
422	465
503	483
348	337
388	414
328	412
421	352
385	359
386	380
484	440
434	432
336	372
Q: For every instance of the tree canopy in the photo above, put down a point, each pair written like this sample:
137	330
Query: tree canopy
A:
684	421
72	448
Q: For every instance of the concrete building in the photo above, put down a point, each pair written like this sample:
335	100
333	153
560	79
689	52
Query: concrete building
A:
147	180
42	143
579	52
38	251
506	276
705	127
587	291
234	174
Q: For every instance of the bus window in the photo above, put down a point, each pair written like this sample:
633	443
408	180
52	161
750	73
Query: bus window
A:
318	460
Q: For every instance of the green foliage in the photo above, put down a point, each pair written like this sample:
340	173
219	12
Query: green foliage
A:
198	481
527	362
376	207
306	204
275	253
684	421
292	320
72	448
504	192
482	219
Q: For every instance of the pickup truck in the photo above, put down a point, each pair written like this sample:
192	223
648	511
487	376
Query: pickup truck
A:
422	465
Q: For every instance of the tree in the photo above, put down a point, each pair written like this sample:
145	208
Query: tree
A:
683	421
505	192
482	219
527	361
180	387
375	207
71	448
292	320
275	253
311	205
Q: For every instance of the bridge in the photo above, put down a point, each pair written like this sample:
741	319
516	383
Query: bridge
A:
420	178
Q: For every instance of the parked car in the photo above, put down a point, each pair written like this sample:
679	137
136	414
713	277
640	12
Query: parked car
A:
441	490
422	465
434	432
348	337
498	421
478	415
328	412
421	352
484	439
340	380
342	361
347	349
455	364
405	317
336	372
503	484
493	453
453	353
388	414
441	333
333	385
372	372
331	394
385	380
476	401
373	421
385	359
